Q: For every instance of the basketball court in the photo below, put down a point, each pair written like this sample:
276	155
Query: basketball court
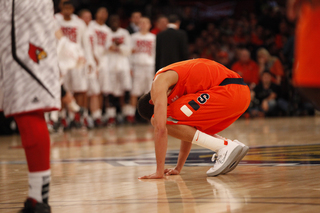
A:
98	170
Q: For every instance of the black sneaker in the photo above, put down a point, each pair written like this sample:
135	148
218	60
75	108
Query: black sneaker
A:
32	206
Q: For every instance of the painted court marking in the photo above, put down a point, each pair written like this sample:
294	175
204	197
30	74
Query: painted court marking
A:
293	155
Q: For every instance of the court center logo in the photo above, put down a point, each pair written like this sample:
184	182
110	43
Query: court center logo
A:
36	53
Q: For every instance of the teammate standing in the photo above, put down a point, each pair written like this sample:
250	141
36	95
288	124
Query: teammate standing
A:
101	43
119	78
143	63
30	85
76	79
193	100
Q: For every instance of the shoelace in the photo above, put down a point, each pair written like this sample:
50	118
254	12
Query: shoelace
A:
214	158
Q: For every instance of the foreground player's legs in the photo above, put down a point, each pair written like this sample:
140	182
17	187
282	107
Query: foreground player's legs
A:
226	150
36	143
190	134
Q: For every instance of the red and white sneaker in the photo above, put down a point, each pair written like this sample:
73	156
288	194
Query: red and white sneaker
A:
111	122
130	119
243	153
98	123
224	157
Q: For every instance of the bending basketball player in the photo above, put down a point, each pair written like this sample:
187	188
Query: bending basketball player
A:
193	100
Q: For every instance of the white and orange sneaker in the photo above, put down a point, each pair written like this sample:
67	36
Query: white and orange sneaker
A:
243	153
224	157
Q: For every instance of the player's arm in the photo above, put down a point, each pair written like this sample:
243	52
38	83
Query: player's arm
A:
159	98
185	148
88	50
108	41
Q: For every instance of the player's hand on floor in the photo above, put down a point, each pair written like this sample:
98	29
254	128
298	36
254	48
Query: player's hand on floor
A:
152	176
172	171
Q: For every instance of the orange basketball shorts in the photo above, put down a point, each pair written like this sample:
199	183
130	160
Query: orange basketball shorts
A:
210	111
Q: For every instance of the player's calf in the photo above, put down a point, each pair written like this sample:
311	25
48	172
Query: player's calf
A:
36	143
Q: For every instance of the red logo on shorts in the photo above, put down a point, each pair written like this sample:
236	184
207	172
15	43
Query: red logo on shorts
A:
36	53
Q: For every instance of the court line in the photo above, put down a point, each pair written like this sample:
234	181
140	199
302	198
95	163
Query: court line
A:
178	202
177	198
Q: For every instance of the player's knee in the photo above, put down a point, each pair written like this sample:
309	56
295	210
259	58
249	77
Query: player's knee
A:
145	109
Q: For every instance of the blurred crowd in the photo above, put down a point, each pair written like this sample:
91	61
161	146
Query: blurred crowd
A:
260	48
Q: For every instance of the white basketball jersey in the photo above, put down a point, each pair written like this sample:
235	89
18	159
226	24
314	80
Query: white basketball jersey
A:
144	47
119	61
73	29
102	39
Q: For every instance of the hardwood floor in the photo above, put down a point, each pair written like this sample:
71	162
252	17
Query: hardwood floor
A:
98	170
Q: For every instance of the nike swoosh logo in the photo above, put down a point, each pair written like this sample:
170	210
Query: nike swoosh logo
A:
198	137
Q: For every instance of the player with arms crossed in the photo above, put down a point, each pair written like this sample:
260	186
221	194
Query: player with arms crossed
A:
117	79
101	43
193	100
29	80
76	79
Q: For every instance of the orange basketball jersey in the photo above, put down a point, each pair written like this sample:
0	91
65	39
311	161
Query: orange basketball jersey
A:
196	75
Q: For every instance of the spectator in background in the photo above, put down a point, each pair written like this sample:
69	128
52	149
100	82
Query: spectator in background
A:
239	36
161	25
265	96
134	22
171	44
270	63
257	36
247	68
223	58
189	24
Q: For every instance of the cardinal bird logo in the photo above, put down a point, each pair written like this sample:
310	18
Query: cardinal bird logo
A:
36	53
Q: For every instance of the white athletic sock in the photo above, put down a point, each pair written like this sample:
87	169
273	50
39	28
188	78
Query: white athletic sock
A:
208	141
111	112
96	114
47	117
54	116
71	115
131	110
63	113
125	110
73	106
85	113
39	185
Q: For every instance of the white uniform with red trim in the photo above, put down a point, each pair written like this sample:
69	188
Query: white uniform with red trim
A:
119	78
143	62
74	30
100	36
29	74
